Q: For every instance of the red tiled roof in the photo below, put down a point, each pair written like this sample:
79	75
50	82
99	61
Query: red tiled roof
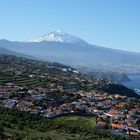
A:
118	126
113	112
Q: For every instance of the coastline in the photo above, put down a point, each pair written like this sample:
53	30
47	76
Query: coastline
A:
134	83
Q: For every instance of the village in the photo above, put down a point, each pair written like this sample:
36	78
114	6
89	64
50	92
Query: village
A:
54	90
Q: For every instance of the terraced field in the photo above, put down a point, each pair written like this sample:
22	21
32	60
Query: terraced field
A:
18	80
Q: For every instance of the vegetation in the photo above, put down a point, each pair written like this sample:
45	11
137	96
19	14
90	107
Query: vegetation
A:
18	125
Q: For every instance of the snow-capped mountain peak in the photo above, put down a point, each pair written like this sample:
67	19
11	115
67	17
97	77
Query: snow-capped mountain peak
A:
59	36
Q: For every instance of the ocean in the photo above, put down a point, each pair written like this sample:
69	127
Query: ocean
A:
134	83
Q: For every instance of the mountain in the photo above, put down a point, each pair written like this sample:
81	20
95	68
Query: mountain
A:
64	48
60	36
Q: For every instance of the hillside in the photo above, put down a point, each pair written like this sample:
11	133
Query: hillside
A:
108	75
46	100
19	125
31	73
5	51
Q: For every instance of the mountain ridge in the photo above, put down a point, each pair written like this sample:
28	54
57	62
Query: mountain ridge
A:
78	54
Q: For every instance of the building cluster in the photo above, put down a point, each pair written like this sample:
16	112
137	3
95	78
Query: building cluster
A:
118	114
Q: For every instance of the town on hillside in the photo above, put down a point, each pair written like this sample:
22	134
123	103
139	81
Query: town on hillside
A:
51	89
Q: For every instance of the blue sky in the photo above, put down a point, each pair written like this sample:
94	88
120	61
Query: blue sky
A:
110	23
